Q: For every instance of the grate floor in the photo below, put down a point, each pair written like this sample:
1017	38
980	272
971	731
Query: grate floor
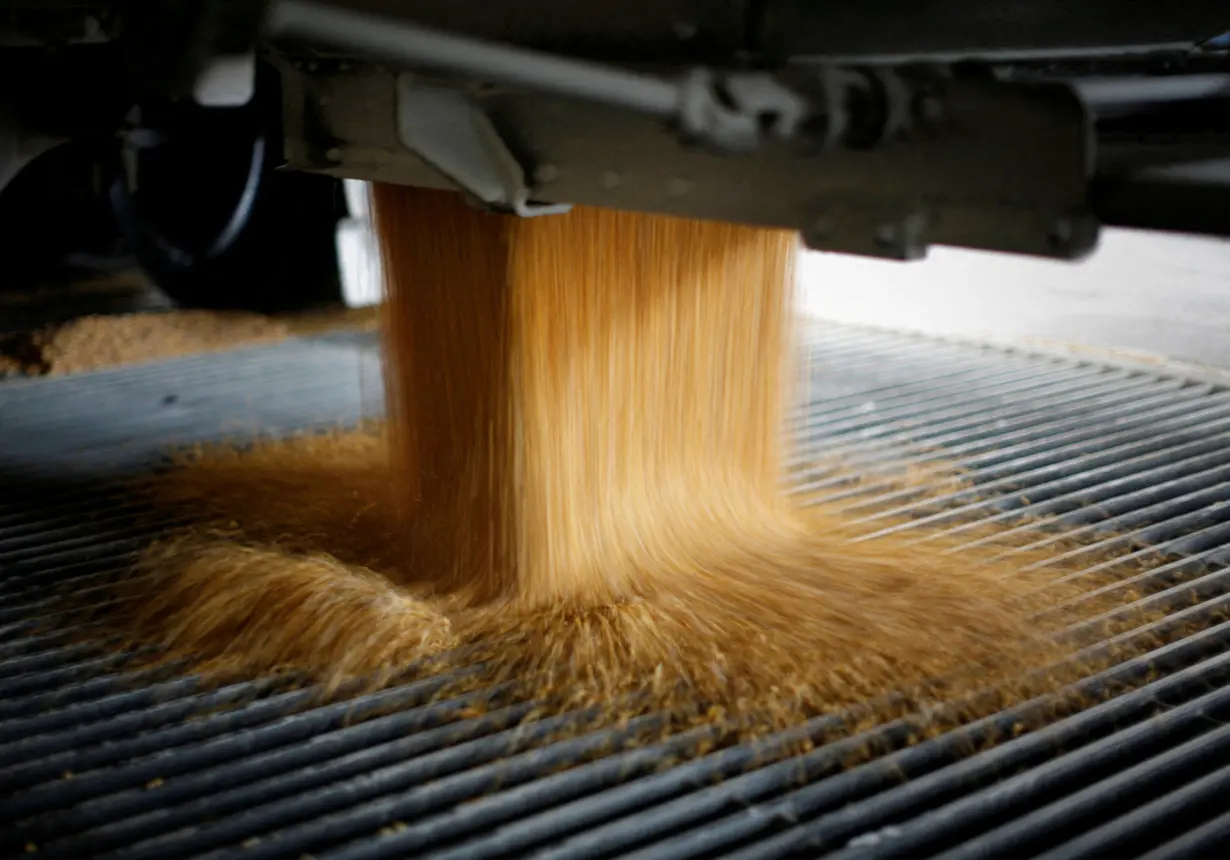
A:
99	759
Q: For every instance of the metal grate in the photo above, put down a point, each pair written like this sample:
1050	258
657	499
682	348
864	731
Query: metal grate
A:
98	760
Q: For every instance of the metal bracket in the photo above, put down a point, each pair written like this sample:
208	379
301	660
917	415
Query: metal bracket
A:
868	159
736	113
226	81
455	137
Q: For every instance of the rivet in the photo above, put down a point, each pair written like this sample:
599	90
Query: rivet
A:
1061	232
685	30
886	236
611	180
545	173
931	110
821	229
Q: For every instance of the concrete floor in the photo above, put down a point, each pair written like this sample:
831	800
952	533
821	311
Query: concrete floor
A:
1158	294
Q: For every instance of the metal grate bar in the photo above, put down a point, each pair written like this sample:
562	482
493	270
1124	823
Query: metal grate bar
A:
287	709
268	777
956	442
1013	798
744	791
1181	764
1163	458
100	708
92	688
37	581
51	679
1061	448
51	743
1208	840
1134	460
426	782
839	826
1146	509
931	406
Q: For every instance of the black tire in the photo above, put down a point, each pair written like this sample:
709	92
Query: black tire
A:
212	220
285	259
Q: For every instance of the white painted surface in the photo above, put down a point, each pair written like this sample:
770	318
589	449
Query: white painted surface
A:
227	81
358	263
1141	292
358	257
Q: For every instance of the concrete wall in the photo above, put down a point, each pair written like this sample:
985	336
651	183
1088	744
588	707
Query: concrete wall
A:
1147	292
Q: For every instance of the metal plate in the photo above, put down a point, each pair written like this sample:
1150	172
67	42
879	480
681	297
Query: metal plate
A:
790	28
627	30
1003	167
99	760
